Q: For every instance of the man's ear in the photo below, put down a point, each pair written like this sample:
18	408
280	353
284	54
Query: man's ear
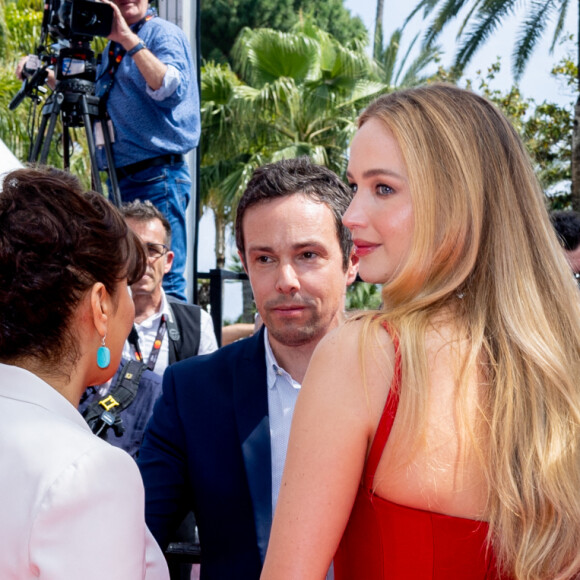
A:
352	270
101	306
168	261
242	260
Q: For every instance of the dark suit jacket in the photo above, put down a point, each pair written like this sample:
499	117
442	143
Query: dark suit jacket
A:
207	447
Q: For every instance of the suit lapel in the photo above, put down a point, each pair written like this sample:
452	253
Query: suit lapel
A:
251	405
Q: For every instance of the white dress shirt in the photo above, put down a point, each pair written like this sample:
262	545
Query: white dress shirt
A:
282	394
147	332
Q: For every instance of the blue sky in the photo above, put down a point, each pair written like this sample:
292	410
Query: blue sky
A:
536	82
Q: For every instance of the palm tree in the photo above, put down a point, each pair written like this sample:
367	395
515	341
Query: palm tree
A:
295	93
482	20
378	37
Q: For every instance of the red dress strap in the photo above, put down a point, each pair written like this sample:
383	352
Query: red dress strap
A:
387	418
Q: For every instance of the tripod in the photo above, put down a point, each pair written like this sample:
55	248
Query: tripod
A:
73	100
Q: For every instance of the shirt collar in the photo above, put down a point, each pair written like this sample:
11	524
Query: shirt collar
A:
164	309
20	384
273	369
164	303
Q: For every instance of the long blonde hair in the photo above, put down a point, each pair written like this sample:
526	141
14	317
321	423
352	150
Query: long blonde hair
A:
483	233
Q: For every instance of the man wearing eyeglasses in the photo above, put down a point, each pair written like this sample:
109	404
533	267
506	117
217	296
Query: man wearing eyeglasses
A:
165	330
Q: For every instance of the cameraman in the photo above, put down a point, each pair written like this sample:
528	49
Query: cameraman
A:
147	81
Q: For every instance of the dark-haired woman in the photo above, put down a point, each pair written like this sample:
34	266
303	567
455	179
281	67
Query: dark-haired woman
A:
72	506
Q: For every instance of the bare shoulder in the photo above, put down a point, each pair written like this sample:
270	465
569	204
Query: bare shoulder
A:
356	362
354	337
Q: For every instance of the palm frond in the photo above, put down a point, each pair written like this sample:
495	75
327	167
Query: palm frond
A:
414	74
559	27
532	29
486	23
425	5
264	55
389	57
446	14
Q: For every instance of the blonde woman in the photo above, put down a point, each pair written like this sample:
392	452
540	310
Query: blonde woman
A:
440	437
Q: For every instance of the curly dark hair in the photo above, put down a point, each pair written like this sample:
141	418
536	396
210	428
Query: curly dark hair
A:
299	175
56	242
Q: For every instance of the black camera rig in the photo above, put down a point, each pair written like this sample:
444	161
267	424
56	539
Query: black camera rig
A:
68	27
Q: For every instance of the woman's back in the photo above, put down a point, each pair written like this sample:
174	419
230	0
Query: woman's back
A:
441	473
405	522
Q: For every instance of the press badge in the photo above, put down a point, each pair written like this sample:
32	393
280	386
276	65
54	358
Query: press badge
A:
99	137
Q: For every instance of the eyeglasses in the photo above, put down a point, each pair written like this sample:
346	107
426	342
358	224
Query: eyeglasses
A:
155	251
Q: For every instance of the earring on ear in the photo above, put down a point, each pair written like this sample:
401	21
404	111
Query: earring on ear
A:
103	356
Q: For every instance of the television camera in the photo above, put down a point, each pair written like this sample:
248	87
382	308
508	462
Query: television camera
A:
70	25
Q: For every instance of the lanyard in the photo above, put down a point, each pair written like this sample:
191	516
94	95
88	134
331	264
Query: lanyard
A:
134	341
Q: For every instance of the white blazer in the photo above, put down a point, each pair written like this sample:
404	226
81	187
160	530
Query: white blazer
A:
71	505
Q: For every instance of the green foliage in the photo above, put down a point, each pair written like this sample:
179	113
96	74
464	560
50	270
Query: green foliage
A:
223	20
23	21
19	31
545	128
297	93
397	71
363	296
334	18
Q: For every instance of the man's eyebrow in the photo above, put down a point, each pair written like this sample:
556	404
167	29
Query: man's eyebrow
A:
317	244
308	244
259	249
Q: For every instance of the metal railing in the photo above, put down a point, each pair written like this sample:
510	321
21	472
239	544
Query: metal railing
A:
216	278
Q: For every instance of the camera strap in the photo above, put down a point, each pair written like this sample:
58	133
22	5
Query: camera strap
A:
105	412
115	56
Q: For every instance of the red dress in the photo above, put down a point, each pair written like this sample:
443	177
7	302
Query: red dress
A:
387	540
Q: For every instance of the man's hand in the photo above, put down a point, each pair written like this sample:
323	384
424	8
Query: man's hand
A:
28	65
120	31
152	69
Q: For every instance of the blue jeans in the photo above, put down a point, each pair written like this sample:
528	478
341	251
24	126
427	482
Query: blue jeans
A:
167	187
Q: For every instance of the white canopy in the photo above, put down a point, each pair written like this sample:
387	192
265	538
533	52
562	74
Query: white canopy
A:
8	160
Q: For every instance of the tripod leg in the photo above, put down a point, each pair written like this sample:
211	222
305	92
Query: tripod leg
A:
96	178
49	110
66	147
110	162
56	107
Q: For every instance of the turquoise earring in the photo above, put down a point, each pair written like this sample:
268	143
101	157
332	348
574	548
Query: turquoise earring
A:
103	356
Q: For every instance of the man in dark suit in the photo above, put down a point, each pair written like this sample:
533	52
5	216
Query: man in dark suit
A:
218	436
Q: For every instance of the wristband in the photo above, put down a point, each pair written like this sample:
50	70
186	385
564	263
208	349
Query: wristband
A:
140	46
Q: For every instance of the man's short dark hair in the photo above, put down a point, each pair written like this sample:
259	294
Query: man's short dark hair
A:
145	211
567	226
292	176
